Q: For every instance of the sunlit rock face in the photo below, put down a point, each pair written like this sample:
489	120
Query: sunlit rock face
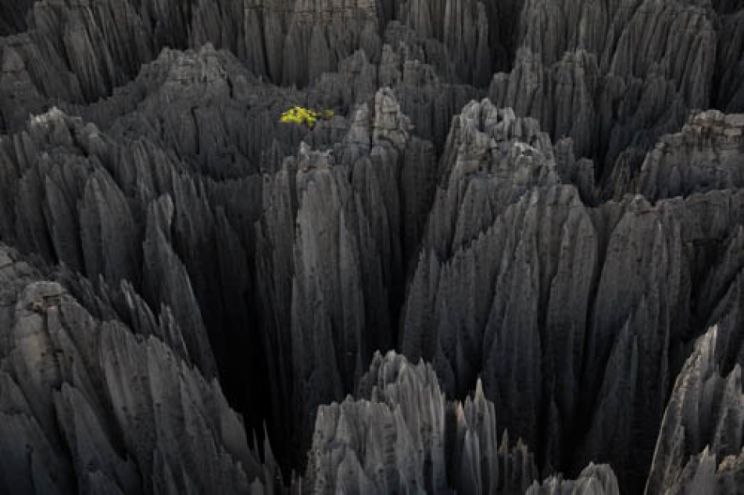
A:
504	256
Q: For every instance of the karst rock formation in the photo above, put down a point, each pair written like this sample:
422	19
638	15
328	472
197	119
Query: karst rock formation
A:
507	258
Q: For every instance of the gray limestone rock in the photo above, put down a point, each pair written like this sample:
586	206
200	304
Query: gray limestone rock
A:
707	154
402	435
331	286
542	199
88	405
593	480
700	442
546	288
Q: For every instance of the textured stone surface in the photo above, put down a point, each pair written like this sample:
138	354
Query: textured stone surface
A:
542	199
593	480
402	435
88	405
707	154
700	444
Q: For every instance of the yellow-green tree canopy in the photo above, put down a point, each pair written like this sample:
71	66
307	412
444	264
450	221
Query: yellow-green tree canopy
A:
306	116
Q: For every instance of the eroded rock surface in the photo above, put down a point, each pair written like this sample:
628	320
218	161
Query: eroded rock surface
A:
537	204
93	406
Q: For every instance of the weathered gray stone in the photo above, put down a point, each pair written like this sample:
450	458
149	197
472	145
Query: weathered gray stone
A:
553	253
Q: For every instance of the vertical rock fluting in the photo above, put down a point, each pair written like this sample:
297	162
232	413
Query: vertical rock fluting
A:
289	41
593	480
79	51
615	76
330	259
461	26
92	193
402	435
399	426
89	406
523	288
706	155
202	251
70	210
700	445
730	63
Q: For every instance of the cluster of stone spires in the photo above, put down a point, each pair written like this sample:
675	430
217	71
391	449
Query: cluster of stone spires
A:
521	198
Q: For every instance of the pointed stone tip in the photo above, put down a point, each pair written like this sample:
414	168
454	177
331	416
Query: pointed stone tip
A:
479	394
51	115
